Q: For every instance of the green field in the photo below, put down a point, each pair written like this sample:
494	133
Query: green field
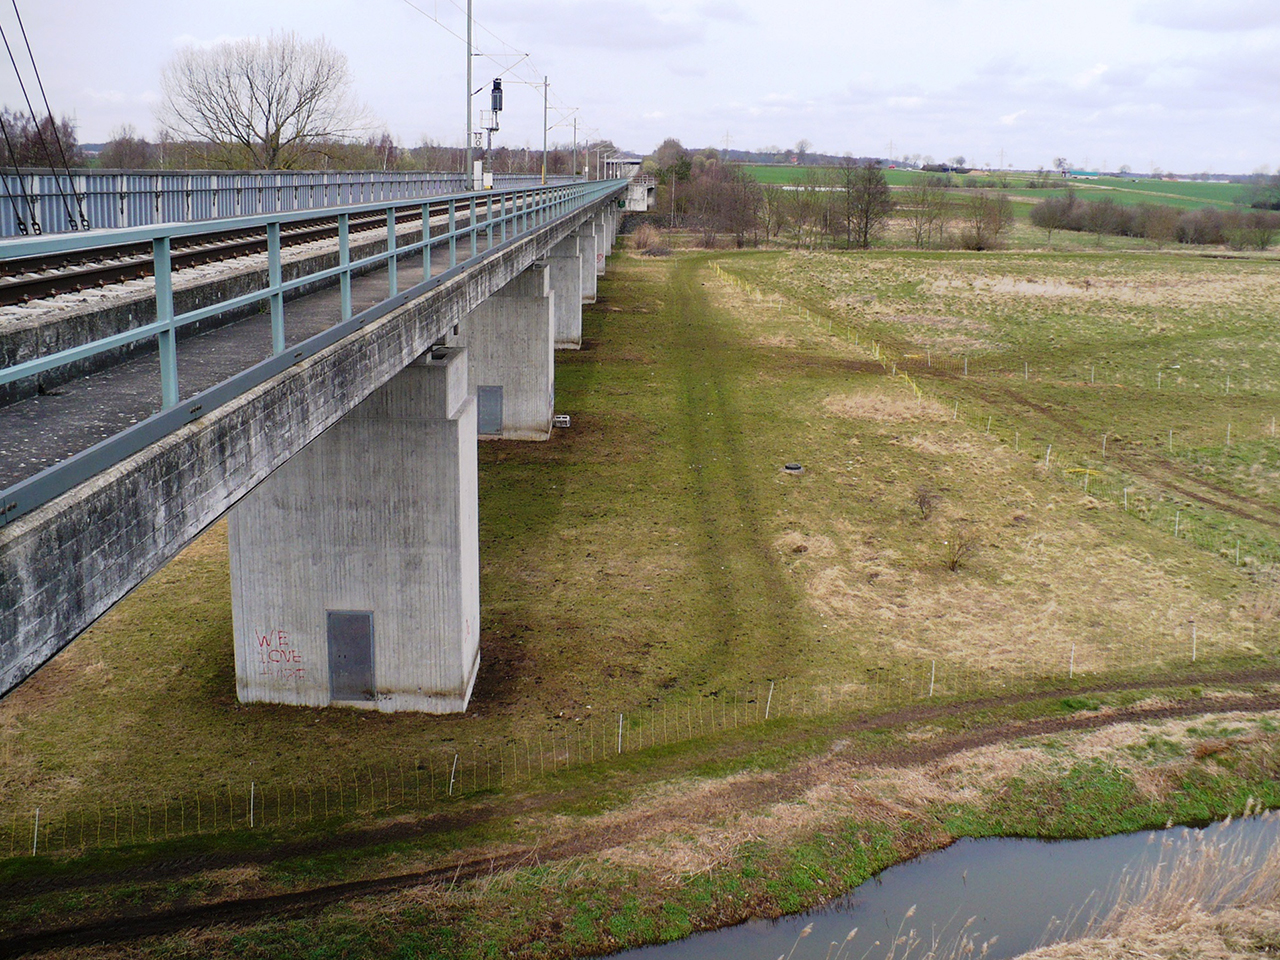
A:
1177	193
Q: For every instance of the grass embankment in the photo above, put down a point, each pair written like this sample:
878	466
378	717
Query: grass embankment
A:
658	553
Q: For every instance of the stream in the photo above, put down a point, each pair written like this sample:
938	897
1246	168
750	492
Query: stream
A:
1022	893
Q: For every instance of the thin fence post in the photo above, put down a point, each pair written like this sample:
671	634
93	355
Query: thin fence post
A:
619	733
769	702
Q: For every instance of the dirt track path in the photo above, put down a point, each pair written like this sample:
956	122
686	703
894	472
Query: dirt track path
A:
591	838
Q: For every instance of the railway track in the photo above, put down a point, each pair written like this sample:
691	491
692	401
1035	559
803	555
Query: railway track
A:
25	279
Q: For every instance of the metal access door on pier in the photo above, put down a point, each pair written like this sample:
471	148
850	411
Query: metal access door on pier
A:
489	411
350	655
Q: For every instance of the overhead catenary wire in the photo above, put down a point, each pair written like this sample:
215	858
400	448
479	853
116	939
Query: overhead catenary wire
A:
17	211
53	124
524	65
457	36
44	145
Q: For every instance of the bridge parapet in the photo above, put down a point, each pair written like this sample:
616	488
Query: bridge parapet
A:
46	202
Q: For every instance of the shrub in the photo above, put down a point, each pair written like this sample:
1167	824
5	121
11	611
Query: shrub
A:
960	545
646	236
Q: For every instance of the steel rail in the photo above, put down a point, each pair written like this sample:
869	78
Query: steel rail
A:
23	279
32	278
530	209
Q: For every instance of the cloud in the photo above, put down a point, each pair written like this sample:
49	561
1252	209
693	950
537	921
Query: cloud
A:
689	70
1089	77
1009	119
726	11
1211	15
106	96
597	25
187	40
119	96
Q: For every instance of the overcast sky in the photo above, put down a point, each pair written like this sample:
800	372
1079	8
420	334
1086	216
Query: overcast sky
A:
1185	85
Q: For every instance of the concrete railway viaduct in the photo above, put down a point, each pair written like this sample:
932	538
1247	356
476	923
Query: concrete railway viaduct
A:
342	447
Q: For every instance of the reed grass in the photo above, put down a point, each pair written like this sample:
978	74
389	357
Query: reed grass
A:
1198	895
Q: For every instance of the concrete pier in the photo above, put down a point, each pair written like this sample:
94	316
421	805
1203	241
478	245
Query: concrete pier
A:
565	265
604	242
510	340
355	569
589	241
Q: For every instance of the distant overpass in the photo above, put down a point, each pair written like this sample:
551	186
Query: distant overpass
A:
343	451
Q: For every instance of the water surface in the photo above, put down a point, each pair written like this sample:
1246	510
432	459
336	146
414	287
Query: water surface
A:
1018	891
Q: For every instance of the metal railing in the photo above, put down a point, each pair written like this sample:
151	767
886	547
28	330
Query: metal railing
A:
37	202
493	219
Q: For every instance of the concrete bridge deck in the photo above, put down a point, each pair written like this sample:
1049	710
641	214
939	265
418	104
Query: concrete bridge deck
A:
66	562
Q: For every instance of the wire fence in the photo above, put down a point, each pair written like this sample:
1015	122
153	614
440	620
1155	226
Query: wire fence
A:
450	772
1183	518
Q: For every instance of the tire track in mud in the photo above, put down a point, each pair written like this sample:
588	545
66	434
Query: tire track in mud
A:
753	793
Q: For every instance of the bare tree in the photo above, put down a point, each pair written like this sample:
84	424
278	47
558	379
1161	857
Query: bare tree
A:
865	201
1053	214
1102	217
928	210
1159	224
773	207
986	216
27	143
806	205
128	151
260	103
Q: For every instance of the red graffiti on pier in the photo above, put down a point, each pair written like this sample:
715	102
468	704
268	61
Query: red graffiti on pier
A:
279	659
